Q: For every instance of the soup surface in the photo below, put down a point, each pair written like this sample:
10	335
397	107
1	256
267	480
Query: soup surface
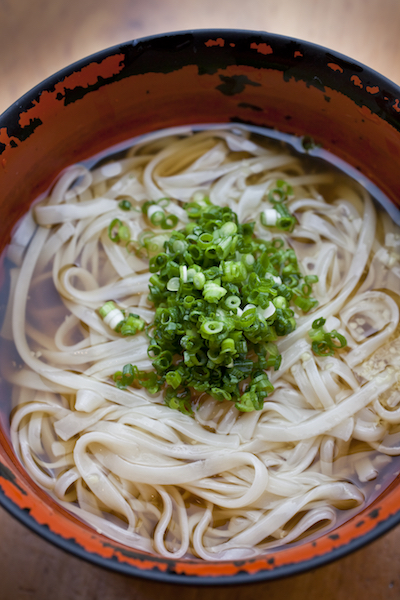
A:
201	339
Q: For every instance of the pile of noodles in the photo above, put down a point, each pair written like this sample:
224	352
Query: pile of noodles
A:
222	484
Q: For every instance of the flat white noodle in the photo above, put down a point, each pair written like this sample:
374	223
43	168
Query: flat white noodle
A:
223	484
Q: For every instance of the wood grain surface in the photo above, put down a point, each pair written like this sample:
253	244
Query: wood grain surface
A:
38	37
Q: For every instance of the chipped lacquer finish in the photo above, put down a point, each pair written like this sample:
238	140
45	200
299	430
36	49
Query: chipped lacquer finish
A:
193	77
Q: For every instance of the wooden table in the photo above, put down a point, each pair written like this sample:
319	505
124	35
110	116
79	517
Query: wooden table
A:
38	37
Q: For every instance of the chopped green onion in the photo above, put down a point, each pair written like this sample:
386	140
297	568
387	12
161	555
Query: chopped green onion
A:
305	304
323	343
125	204
199	280
201	339
279	216
280	302
281	192
155	212
228	346
232	302
111	315
170	222
308	143
118	232
173	284
174	379
213	292
114	318
156	215
106	309
179	400
211	328
130	325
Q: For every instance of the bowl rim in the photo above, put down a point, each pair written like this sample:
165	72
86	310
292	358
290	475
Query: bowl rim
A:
95	56
242	578
70	545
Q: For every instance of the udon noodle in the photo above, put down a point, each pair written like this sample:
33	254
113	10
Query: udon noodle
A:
218	484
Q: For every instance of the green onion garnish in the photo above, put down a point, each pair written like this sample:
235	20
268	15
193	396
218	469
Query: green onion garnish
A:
118	232
222	298
279	216
155	212
125	204
325	343
115	319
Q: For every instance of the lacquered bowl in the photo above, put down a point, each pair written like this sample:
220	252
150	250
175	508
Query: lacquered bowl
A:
183	78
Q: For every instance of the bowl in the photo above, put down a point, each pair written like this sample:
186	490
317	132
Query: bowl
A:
194	77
